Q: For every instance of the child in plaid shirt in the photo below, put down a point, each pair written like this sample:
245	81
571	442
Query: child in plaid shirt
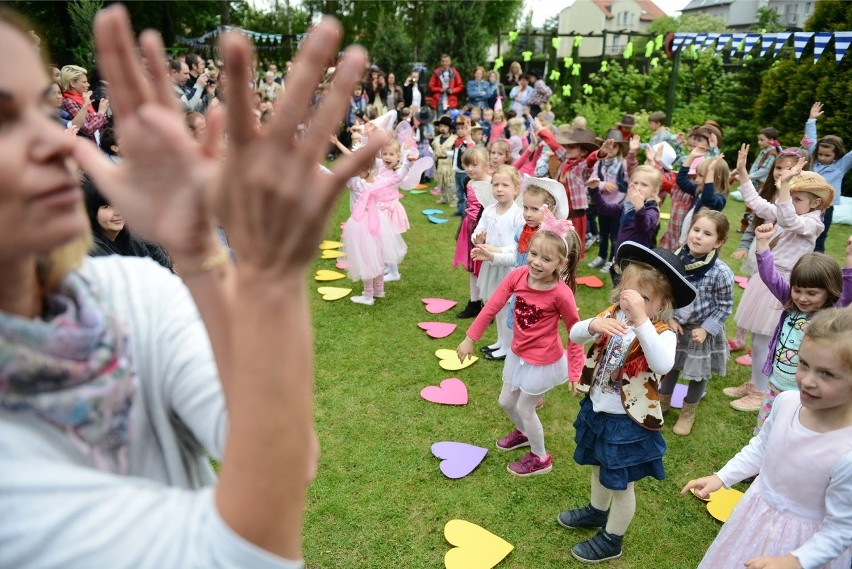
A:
571	149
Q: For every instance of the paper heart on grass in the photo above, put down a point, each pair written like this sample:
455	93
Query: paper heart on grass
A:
438	305
326	275
330	245
721	503
475	547
417	192
331	254
678	394
590	281
438	220
741	281
433	211
452	391
449	360
342	264
458	459
333	293
438	329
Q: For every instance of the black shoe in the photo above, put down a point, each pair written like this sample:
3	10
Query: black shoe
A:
486	349
602	546
457	213
586	517
472	310
491	357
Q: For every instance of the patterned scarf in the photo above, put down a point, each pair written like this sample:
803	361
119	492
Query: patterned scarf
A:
73	370
696	268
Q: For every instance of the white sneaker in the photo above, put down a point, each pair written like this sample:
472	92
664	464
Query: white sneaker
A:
596	263
606	267
382	295
368	300
591	240
391	277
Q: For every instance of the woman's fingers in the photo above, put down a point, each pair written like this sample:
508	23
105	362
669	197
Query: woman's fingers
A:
240	120
118	61
317	52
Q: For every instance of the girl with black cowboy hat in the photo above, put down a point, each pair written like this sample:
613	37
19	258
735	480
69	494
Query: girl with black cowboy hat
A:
618	426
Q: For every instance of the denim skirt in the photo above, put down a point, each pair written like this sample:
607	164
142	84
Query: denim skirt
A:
624	451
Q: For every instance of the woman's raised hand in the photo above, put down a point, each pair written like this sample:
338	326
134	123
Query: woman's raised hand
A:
267	191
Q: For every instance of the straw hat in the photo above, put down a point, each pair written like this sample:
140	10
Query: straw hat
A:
813	183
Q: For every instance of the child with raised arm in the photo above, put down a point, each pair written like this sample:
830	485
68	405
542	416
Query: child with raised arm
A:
815	284
801	199
618	426
797	514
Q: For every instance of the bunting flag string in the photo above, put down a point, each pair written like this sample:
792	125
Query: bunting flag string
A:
711	39
724	40
842	40
780	41
751	41
800	41
738	41
821	40
765	43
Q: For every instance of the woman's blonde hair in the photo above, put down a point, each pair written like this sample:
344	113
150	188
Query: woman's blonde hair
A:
649	279
517	126
69	74
832	326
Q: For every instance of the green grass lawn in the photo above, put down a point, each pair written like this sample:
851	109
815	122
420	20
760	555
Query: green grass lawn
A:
380	501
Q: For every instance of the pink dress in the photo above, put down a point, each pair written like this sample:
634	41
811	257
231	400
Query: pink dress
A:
393	209
801	502
463	243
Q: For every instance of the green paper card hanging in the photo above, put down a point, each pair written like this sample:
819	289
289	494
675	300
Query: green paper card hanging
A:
604	66
658	42
566	90
555	42
587	89
649	49
527	55
554	75
513	36
575	70
655	62
568	61
578	40
498	63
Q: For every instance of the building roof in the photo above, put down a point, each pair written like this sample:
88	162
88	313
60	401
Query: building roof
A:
701	4
650	11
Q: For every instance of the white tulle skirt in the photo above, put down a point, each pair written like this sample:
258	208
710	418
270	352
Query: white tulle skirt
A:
366	254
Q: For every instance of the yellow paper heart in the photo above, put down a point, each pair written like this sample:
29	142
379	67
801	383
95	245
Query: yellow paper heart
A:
722	503
333	293
449	360
331	254
326	275
476	548
330	245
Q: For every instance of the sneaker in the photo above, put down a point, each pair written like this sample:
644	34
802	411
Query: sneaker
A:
590	241
750	402
586	517
368	300
599	261
734	346
379	294
602	546
392	277
530	465
515	439
739	391
606	267
437	192
744	360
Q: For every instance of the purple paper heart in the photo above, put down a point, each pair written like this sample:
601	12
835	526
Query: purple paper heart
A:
677	395
459	459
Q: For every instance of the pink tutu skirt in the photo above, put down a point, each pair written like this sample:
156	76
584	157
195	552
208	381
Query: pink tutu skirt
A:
759	310
366	254
397	216
758	528
464	247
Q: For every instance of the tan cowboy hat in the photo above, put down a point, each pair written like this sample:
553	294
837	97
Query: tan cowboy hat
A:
815	184
582	137
552	187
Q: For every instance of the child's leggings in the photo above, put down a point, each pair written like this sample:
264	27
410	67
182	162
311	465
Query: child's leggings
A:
374	287
759	352
504	333
694	391
474	289
620	503
520	408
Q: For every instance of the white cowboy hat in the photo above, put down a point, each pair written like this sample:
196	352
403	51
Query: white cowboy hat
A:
552	187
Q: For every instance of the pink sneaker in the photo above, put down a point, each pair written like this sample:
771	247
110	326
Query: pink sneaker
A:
734	346
515	439
531	465
744	360
436	192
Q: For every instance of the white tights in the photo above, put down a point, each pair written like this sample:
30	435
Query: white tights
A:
520	408
620	503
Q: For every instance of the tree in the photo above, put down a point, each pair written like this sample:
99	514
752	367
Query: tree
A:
699	23
768	20
392	47
82	13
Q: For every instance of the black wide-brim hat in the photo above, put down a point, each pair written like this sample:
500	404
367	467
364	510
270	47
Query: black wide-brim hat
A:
425	115
664	261
444	120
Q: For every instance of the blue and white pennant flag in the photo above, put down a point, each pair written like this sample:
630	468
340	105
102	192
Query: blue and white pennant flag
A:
800	41
842	40
821	40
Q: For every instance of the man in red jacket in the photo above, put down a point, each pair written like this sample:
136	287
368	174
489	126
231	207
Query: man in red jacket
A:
445	84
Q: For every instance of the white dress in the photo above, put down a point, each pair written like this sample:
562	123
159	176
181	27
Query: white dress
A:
500	232
801	503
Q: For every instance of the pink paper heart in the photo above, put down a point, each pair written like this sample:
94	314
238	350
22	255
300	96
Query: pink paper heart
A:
458	459
742	281
342	264
590	281
438	305
452	391
438	329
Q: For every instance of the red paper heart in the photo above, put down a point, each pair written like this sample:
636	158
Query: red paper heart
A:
590	281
